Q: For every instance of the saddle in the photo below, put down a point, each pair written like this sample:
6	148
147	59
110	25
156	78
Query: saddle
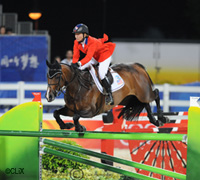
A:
114	78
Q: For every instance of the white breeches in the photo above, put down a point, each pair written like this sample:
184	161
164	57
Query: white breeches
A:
103	66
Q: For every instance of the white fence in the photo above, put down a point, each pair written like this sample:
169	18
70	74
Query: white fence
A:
21	87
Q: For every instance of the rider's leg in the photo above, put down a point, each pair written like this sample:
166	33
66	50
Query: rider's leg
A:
106	84
103	69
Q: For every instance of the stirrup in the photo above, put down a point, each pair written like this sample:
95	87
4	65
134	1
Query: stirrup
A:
109	99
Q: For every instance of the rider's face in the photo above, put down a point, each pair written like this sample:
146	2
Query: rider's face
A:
79	36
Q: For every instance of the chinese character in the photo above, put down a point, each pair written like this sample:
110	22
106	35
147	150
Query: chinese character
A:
10	60
34	61
5	61
16	61
24	60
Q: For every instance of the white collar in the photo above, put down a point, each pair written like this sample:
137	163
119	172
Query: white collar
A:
83	43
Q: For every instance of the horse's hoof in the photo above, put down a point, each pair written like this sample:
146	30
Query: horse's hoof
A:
69	125
155	122
167	119
160	123
80	128
84	128
164	119
62	126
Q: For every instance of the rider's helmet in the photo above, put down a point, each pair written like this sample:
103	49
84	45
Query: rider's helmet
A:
81	28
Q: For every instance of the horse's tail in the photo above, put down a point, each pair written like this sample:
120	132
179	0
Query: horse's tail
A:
146	72
132	108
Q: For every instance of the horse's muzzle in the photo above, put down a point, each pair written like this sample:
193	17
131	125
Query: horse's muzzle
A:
49	96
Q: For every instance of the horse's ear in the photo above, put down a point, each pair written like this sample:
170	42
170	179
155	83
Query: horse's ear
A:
48	64
56	62
52	61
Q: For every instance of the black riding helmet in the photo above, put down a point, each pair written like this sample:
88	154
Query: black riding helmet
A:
81	28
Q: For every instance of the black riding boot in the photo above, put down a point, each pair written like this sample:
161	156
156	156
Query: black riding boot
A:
107	86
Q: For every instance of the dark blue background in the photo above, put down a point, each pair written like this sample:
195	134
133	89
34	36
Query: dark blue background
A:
12	46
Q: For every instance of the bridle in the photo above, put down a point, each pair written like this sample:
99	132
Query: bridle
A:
57	92
59	89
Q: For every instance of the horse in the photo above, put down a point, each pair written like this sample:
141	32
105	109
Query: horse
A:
83	99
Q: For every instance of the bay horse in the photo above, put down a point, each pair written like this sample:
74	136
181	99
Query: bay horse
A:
83	99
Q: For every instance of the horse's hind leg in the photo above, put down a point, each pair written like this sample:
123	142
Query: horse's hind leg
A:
159	110
152	119
65	112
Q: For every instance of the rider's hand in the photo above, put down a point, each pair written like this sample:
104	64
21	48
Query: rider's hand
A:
76	65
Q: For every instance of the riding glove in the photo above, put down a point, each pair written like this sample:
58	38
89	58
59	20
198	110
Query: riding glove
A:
75	65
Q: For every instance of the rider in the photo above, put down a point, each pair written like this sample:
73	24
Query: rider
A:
97	51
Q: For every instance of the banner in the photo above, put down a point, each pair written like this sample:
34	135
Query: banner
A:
22	58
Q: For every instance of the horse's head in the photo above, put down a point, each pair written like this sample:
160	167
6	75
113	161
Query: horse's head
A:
55	81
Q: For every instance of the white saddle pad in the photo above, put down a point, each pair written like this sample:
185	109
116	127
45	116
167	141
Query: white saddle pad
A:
117	84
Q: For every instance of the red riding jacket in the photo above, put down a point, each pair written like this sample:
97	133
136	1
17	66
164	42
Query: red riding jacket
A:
96	48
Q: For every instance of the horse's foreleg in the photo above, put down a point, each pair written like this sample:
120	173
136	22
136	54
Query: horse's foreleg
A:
78	126
159	110
152	119
65	112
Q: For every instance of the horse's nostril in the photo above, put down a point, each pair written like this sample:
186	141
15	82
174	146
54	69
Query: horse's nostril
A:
50	96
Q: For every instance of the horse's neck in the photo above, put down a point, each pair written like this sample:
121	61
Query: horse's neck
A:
70	77
67	72
79	83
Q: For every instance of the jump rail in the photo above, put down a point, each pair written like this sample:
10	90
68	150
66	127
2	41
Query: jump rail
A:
28	118
97	135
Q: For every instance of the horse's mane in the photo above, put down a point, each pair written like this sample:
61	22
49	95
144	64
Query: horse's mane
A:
65	64
84	78
138	64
